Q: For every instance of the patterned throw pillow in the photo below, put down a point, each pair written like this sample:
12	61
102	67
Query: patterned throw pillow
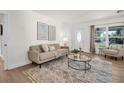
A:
45	47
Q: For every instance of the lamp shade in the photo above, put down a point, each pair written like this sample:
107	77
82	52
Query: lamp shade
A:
65	39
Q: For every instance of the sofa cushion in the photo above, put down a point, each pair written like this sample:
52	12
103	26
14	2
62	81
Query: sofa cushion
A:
52	48
62	51
36	48
120	46
46	55
116	46
57	46
111	51
56	54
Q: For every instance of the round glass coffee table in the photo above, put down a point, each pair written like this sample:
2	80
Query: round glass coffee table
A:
81	59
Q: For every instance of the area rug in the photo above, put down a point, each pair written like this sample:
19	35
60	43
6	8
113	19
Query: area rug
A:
57	71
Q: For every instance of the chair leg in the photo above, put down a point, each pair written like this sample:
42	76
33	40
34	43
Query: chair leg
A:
32	62
105	56
122	58
40	65
66	55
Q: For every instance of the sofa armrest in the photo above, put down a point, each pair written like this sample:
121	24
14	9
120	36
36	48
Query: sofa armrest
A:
121	52
104	50
33	56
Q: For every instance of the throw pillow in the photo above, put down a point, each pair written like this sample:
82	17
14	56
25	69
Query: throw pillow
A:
45	48
51	48
120	46
114	46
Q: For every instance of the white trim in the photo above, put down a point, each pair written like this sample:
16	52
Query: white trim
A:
20	64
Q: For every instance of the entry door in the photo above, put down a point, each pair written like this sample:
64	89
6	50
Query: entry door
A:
1	30
4	49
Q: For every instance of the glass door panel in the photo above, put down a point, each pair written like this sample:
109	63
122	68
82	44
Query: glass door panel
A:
100	38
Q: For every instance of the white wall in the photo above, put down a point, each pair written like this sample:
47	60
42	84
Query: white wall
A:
22	33
84	28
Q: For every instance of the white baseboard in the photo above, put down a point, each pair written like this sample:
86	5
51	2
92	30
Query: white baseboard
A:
18	65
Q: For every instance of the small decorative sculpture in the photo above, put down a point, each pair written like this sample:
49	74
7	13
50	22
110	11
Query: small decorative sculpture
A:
80	53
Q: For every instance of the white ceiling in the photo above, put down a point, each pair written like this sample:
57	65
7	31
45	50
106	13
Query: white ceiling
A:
80	15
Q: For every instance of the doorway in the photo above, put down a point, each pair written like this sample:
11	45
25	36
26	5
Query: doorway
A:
1	33
1	30
3	42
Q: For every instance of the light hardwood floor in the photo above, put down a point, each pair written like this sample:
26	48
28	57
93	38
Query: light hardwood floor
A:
16	75
13	76
117	68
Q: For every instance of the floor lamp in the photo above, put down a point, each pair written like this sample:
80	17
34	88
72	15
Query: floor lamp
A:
79	41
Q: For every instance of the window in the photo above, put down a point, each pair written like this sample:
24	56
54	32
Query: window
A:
107	35
116	35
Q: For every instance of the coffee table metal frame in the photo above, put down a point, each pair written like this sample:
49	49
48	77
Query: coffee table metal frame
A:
86	62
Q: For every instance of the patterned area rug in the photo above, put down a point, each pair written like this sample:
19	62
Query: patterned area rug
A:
57	71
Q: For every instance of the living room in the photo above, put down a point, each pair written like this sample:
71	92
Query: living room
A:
72	30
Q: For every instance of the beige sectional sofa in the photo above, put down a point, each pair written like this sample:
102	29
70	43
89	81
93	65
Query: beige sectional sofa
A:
37	54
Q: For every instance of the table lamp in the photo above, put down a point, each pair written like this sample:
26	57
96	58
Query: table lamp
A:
65	40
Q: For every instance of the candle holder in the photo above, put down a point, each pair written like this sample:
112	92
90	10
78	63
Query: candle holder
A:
80	53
